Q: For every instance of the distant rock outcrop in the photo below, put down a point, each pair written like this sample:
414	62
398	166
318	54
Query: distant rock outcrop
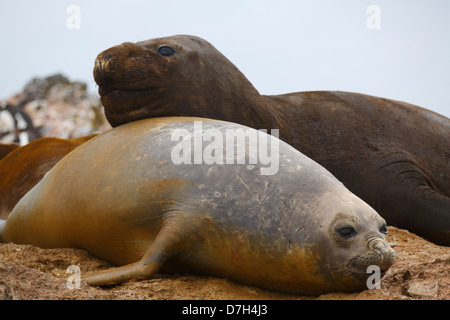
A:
61	108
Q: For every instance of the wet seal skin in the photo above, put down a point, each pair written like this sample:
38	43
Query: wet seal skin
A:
121	197
393	155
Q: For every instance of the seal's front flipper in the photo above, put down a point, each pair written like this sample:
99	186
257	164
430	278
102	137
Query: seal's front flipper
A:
436	221
413	200
427	211
170	240
140	269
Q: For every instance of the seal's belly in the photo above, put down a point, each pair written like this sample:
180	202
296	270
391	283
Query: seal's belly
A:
248	256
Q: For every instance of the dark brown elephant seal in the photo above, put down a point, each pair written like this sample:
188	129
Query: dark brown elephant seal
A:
393	155
24	166
123	197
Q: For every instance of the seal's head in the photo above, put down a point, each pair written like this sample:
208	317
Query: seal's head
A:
356	233
177	76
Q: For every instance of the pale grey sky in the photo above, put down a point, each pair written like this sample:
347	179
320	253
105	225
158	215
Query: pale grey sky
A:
281	46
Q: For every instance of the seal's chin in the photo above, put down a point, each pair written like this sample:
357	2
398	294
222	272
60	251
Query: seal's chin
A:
118	114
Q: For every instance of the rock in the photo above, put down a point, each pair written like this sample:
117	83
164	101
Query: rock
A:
38	88
422	289
60	107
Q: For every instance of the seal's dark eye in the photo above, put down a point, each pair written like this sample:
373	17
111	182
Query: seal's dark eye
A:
346	232
383	229
166	51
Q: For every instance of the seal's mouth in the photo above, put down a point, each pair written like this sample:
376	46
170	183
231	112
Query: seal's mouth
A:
108	86
371	263
111	80
366	275
105	88
111	88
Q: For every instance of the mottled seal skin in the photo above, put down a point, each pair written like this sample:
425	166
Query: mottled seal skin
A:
121	197
393	155
23	167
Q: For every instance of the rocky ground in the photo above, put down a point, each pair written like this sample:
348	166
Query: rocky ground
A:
421	272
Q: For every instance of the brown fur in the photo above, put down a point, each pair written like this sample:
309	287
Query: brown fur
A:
24	167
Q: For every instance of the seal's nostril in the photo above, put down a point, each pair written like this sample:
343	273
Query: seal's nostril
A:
98	64
104	62
104	69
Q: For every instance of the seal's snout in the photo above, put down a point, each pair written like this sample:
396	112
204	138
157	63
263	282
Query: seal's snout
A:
120	67
104	70
379	245
379	254
384	251
104	63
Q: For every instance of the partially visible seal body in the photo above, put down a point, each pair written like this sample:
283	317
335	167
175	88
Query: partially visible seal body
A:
122	197
393	155
7	148
24	166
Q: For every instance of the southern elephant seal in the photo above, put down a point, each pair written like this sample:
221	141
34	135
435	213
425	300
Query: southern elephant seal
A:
393	155
126	197
22	168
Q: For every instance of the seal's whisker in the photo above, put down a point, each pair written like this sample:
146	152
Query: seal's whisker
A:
340	266
346	274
